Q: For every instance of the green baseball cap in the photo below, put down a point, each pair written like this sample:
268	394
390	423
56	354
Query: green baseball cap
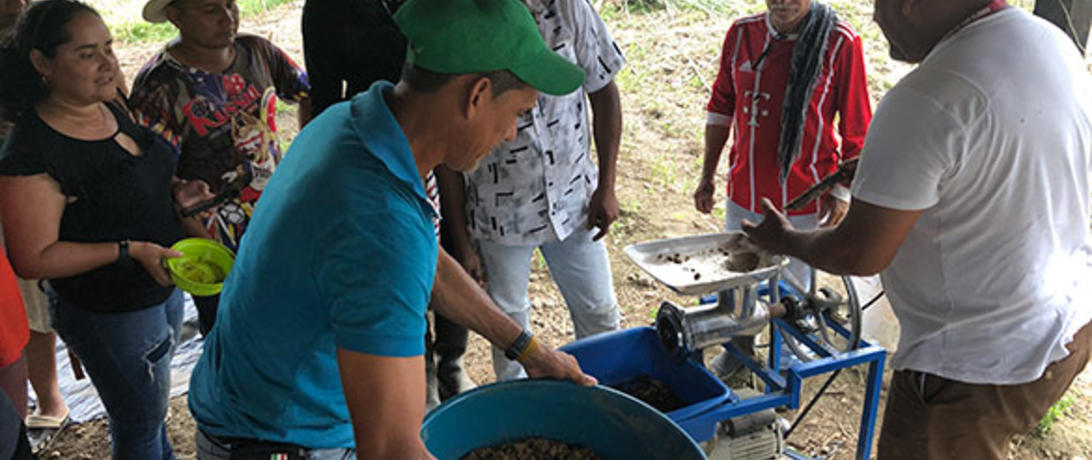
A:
470	36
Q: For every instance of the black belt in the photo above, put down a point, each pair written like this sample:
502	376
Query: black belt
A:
257	449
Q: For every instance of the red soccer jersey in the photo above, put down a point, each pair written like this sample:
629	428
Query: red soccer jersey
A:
753	99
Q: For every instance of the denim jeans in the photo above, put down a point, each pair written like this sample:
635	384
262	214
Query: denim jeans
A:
213	448
580	268
127	356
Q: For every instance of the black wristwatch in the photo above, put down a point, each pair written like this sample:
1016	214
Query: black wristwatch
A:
124	259
513	351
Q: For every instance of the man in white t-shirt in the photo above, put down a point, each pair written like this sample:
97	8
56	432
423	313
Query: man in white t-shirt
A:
972	198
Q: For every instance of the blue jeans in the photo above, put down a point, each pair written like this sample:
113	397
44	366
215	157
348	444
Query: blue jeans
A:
580	268
128	357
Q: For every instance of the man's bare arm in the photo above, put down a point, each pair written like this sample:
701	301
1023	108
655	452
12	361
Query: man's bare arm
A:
864	243
386	399
303	113
452	205
606	105
457	297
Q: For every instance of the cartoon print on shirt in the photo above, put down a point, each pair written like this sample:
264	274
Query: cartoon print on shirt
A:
255	143
222	124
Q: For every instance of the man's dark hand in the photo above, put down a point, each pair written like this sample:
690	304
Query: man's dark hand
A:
832	210
772	233
602	211
471	261
703	196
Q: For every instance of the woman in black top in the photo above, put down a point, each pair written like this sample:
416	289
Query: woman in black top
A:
89	202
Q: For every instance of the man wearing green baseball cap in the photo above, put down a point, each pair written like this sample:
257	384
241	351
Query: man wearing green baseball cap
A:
317	349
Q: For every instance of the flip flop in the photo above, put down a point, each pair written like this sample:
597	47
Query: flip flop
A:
46	422
40	439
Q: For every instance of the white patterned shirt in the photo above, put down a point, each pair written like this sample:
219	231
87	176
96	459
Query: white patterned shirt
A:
433	193
536	188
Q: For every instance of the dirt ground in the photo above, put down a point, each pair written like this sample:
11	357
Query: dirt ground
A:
672	54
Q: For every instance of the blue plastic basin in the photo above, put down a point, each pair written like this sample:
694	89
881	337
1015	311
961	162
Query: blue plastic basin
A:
617	357
610	423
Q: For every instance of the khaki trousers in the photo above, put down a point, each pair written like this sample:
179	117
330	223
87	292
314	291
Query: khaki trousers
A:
930	417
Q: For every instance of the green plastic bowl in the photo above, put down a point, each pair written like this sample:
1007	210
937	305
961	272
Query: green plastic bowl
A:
202	268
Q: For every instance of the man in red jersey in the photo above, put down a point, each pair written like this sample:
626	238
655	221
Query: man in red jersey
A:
787	76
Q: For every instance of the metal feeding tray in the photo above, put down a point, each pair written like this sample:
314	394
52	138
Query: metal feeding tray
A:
704	264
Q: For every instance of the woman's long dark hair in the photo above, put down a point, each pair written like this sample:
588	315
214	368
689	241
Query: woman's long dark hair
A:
43	27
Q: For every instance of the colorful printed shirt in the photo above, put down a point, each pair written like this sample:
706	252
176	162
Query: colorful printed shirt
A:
750	101
536	188
222	125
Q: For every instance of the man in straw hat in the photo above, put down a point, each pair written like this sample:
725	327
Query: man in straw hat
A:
212	92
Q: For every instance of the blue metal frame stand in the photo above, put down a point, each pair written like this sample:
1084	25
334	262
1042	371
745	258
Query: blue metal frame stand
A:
785	390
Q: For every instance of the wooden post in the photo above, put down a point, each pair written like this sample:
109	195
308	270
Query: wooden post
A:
1072	16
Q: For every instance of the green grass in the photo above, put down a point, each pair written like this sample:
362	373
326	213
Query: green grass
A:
284	109
719	211
127	27
141	32
612	10
628	210
538	262
1056	412
664	172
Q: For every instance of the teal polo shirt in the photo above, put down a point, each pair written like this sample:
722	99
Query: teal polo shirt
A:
340	252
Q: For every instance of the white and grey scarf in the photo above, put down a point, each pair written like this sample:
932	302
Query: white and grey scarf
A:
806	64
